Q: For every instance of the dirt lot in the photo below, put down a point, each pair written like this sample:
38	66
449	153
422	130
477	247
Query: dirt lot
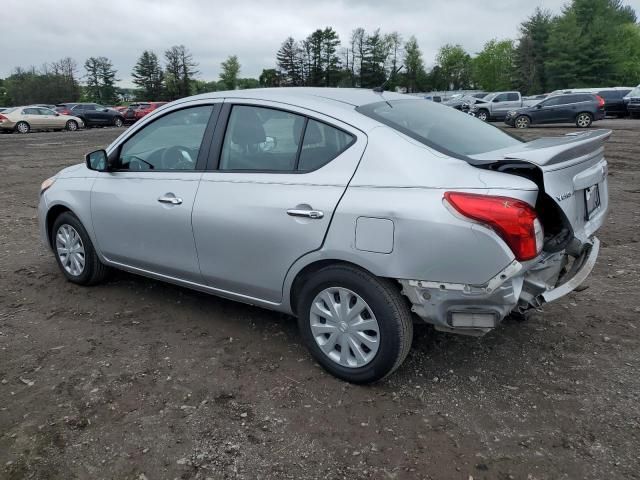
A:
136	379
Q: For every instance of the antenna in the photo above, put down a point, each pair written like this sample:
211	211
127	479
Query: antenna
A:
380	89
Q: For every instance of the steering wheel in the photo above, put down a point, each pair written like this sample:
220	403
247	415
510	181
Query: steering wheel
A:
178	157
137	163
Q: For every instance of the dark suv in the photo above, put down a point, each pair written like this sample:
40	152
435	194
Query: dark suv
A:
579	108
93	114
613	101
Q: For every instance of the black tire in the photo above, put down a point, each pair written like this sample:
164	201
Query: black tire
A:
522	121
483	115
584	120
387	304
22	127
94	270
118	122
72	125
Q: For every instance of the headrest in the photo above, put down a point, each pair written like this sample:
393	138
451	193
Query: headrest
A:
248	129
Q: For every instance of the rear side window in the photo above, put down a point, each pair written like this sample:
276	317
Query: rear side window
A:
440	127
512	97
322	143
264	139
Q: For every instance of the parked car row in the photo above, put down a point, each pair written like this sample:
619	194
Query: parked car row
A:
580	106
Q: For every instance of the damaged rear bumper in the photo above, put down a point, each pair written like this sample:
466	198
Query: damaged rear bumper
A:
476	309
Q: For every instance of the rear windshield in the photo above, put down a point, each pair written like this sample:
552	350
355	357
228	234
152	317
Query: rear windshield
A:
442	128
7	110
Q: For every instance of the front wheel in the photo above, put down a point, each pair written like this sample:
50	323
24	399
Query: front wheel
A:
72	125
483	115
522	122
74	251
118	122
23	127
357	326
584	120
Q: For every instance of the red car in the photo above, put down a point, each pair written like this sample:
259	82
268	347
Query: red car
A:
145	108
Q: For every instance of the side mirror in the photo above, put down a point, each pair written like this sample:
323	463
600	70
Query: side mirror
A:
538	106
97	161
496	100
57	114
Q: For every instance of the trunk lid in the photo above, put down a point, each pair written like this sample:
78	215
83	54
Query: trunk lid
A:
574	174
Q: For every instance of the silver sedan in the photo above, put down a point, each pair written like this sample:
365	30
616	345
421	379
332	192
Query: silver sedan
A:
358	212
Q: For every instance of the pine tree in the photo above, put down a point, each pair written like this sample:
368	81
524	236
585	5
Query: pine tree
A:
101	79
289	63
180	68
147	74
413	64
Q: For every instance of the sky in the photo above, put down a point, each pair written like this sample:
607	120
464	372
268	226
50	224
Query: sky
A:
34	32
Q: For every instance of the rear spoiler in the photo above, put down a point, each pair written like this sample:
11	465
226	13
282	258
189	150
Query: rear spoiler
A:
549	150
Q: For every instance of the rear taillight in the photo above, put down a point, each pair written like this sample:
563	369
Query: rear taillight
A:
3	118
514	220
600	101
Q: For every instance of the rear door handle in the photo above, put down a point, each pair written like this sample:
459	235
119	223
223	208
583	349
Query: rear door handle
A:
315	214
170	198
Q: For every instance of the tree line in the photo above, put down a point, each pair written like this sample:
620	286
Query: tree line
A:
590	43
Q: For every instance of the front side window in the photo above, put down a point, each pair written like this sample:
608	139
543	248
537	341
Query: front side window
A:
171	142
442	128
503	97
262	139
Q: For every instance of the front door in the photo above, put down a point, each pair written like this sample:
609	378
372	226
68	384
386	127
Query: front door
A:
278	178
142	209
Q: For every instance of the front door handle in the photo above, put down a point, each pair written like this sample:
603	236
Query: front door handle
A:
169	198
315	214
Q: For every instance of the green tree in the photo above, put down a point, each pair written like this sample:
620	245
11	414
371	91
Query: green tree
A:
628	54
413	64
289	63
269	78
532	52
394	40
101	80
148	76
180	69
455	66
230	70
493	67
330	61
582	44
373	70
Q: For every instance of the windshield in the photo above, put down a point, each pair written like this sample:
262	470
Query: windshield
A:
442	128
635	92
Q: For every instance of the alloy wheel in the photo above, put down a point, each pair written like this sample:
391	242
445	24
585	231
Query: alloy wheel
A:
23	127
344	327
72	126
522	122
118	122
584	120
70	249
482	116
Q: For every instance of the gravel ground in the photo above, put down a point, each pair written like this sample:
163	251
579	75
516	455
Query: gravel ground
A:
136	379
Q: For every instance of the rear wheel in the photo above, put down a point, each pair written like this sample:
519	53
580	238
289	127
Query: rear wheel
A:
72	125
483	115
357	326
74	251
584	120
118	122
23	127
522	122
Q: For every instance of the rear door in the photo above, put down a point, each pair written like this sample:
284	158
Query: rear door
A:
277	175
